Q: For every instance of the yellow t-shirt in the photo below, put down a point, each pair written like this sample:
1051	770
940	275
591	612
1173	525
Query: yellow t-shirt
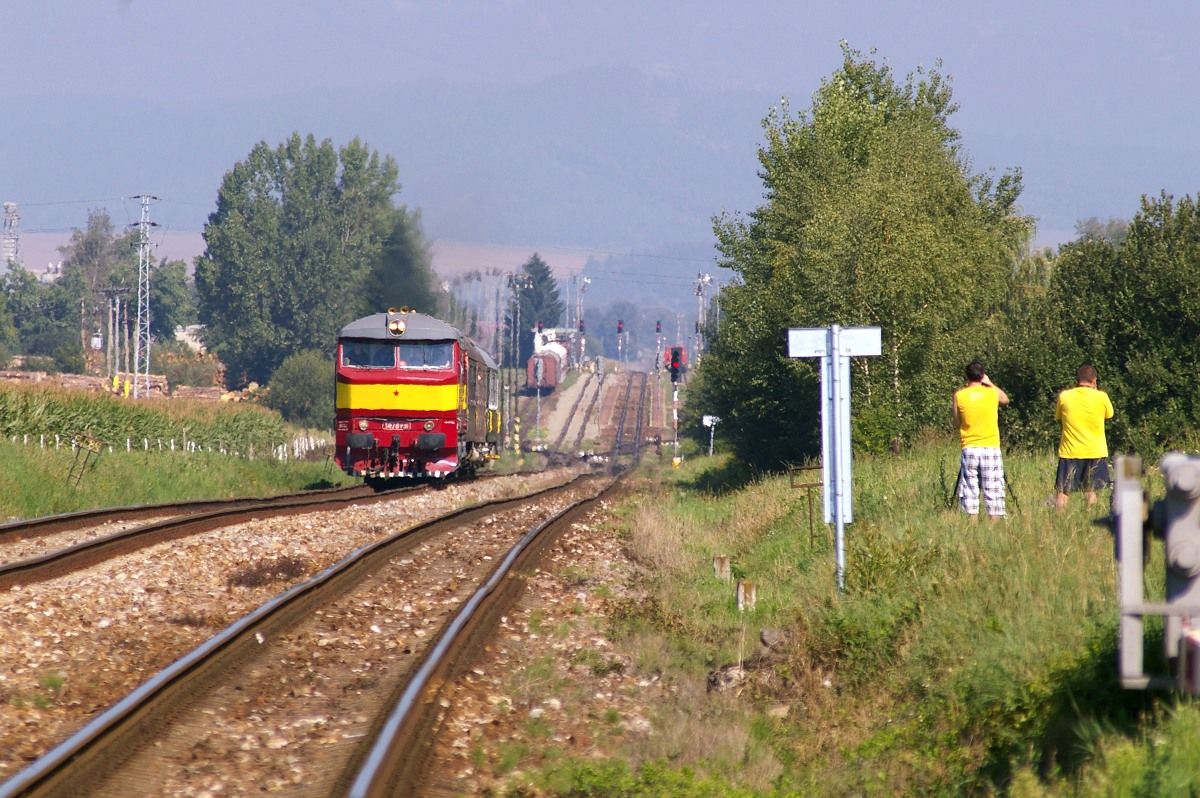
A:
1083	411
978	416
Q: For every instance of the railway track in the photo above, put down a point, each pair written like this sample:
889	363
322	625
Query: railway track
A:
291	695
577	421
87	519
184	520
588	414
562	433
625	426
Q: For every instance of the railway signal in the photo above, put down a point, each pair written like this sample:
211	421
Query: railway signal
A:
676	362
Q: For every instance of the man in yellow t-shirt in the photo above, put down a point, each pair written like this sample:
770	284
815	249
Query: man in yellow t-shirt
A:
1082	450
976	413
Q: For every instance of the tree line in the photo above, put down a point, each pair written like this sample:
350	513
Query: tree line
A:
872	215
51	322
305	237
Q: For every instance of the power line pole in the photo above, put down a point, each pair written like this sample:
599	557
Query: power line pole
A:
702	281
10	242
112	355
141	347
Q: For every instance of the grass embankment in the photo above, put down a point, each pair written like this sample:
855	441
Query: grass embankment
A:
962	658
38	481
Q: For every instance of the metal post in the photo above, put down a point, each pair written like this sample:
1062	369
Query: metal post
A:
675	422
832	358
538	367
835	346
142	342
702	281
1127	512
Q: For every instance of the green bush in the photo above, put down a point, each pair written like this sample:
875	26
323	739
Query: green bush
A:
181	366
301	389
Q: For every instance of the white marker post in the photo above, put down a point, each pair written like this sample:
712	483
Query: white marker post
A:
835	346
711	422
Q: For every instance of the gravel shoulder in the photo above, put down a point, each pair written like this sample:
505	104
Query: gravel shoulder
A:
554	685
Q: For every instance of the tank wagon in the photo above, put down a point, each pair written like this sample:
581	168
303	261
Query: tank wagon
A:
552	357
415	398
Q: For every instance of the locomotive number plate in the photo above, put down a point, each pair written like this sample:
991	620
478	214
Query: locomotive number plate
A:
395	425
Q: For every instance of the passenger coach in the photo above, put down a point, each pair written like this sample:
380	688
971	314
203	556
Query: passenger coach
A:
415	398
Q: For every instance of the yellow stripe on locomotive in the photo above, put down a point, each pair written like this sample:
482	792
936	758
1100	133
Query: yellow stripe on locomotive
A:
397	396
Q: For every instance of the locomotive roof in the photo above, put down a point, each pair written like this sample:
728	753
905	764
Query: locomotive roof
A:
418	327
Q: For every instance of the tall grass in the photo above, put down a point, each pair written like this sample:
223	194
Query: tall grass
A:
35	411
961	658
36	481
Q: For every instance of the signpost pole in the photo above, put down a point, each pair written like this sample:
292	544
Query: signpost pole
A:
835	346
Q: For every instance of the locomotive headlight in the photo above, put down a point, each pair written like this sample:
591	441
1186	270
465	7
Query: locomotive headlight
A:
429	425
362	424
396	326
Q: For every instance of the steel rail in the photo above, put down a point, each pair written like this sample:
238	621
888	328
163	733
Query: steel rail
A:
641	419
397	758
71	765
589	413
617	440
65	522
562	434
90	552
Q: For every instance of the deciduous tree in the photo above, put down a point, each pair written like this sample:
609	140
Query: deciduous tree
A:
1133	309
402	274
172	303
296	231
871	217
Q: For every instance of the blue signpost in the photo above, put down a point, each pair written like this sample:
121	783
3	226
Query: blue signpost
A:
835	346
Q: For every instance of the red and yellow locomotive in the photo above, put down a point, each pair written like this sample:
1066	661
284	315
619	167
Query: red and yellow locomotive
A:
415	398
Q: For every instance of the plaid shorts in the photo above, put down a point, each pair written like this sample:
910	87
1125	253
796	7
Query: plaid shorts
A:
981	468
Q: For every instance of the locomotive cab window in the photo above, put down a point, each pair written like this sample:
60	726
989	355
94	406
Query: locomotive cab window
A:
368	354
423	355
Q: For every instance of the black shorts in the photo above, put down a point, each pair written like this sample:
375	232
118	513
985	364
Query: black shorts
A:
1089	475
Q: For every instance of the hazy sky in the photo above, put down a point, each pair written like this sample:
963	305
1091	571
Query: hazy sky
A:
1095	101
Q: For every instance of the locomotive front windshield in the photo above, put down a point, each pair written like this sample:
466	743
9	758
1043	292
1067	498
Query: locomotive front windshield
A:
369	354
408	354
425	355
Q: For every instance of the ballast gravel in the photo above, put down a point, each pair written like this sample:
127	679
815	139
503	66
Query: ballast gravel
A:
73	646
